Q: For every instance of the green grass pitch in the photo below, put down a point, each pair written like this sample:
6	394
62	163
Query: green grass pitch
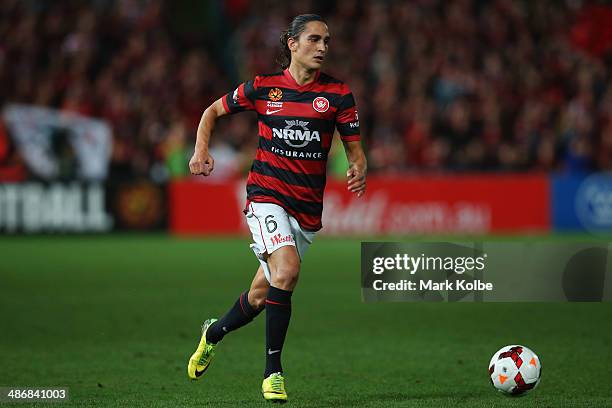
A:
115	319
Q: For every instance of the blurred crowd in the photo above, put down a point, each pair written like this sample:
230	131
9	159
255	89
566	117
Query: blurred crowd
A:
459	85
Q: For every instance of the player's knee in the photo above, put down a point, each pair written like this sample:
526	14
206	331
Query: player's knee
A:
285	280
286	275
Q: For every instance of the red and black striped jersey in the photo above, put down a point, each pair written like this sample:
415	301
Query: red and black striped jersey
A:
296	125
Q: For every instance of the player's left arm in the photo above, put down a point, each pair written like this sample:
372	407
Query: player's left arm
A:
358	167
347	124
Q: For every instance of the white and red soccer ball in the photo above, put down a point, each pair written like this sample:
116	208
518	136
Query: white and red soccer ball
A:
515	370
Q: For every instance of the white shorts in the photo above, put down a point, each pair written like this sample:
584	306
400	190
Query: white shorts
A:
272	227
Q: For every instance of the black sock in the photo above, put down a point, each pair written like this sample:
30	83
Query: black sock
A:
278	313
239	315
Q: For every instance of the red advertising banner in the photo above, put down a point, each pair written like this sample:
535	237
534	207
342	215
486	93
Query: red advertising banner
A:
206	208
471	204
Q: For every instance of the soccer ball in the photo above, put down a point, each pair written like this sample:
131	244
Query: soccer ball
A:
514	370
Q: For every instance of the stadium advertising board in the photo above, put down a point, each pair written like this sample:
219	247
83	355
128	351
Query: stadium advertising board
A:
582	203
198	207
35	207
444	204
138	206
393	205
53	207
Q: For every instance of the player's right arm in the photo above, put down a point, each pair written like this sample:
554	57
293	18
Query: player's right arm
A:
241	99
202	162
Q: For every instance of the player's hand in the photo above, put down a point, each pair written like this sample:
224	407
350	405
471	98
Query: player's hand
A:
201	163
356	181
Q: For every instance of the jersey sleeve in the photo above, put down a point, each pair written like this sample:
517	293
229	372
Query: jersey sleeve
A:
242	98
347	119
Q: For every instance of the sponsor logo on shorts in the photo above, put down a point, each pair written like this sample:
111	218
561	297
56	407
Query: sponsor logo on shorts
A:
279	239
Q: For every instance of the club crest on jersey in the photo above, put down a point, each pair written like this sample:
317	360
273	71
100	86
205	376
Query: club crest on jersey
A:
275	94
320	104
299	137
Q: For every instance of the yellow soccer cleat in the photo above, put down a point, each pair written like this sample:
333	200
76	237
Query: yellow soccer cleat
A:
273	388
201	358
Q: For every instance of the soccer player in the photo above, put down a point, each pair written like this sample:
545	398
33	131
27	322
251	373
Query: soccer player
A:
298	110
